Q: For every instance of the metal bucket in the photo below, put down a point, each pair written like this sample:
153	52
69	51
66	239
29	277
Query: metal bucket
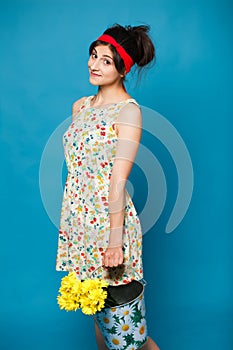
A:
122	321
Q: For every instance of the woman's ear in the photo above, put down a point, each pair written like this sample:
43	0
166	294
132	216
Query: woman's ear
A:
123	74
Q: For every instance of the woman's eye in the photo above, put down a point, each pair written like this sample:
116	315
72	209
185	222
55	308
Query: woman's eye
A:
107	62
93	55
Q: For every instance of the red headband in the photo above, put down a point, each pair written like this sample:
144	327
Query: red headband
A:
128	61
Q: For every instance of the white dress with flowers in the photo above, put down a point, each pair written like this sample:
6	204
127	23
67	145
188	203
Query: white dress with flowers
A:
90	146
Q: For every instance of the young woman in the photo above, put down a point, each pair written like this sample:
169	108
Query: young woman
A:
99	225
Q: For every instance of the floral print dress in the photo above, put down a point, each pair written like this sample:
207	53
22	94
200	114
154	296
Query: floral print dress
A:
90	146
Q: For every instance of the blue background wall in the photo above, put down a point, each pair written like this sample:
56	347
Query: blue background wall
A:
44	49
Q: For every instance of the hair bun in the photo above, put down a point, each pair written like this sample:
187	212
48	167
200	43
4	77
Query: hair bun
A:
146	49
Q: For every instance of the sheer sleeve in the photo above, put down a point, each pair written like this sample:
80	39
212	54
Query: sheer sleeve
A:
129	125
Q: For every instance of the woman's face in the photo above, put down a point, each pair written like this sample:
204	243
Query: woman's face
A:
102	67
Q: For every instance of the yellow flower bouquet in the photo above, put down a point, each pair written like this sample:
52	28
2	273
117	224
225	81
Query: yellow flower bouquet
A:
89	295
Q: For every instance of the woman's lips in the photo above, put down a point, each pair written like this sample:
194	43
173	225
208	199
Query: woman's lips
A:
95	75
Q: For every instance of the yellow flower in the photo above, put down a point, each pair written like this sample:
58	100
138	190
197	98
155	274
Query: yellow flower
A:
88	295
93	296
68	303
70	291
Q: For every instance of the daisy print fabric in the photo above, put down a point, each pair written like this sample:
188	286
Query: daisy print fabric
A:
124	327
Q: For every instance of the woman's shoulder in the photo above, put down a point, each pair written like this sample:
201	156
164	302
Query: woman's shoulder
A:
132	101
79	104
130	114
131	104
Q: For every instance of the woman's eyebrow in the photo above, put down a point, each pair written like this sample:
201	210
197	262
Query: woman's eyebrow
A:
108	56
103	55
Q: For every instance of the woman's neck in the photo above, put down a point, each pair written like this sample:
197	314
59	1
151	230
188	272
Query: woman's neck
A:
108	94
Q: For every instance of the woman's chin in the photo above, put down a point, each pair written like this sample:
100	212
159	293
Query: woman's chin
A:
93	82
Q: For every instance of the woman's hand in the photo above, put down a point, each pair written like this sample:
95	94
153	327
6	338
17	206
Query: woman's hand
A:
113	257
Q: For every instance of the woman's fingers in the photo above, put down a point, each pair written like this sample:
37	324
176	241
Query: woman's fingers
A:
111	261
113	257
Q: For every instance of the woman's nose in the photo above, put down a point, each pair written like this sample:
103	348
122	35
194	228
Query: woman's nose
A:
94	65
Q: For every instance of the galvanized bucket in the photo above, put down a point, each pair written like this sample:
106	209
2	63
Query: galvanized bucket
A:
122	321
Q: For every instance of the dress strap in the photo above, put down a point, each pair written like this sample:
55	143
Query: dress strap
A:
132	100
123	104
88	100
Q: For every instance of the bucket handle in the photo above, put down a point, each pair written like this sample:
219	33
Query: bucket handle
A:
140	279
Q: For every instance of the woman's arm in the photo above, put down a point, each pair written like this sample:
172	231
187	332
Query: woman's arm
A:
129	127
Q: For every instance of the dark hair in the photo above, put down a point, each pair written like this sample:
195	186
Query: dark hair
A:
136	42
